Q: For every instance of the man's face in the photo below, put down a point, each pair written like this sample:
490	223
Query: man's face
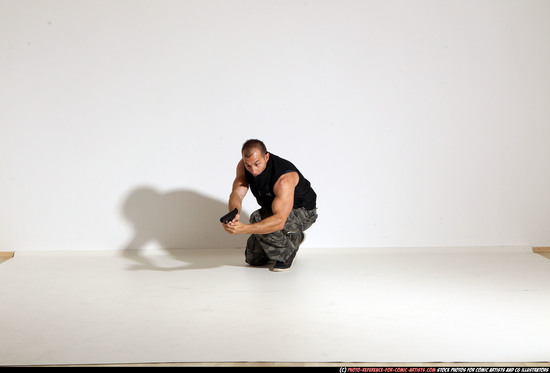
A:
256	163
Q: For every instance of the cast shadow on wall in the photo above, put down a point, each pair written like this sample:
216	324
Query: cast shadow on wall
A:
184	224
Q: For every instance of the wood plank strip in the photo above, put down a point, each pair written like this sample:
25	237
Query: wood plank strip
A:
7	254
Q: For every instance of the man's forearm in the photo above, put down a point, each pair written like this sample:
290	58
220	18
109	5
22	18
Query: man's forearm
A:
237	195
268	225
235	201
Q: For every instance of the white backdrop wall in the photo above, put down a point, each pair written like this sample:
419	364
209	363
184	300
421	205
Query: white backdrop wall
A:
419	123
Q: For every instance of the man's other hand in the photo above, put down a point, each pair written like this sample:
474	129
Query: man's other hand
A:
234	226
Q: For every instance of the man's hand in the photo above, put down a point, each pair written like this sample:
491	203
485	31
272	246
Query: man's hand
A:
234	227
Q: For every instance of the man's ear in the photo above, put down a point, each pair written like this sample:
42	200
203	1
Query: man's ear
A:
266	157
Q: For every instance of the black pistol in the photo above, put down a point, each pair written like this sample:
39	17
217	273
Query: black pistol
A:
229	216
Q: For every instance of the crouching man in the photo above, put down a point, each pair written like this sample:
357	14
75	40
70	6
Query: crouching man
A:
288	206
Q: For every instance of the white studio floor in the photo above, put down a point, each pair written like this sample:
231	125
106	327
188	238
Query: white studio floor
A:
335	305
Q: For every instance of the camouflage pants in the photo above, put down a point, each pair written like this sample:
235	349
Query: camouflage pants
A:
279	245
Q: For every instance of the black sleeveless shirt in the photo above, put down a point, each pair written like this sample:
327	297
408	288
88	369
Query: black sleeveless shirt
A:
262	185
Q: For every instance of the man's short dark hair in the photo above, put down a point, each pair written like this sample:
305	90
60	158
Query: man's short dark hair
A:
250	145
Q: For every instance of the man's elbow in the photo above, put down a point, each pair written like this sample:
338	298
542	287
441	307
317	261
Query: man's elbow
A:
280	224
279	227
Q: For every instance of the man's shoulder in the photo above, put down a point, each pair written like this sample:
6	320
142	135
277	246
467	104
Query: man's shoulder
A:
241	170
287	180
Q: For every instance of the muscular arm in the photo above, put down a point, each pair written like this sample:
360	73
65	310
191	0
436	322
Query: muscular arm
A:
239	190
281	207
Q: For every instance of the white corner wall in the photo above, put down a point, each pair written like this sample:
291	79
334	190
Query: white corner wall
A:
419	123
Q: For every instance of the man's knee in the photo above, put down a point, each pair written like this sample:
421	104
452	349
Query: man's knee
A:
256	261
254	254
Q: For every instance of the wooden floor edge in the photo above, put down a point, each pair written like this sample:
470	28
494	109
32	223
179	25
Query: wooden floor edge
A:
7	254
260	364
